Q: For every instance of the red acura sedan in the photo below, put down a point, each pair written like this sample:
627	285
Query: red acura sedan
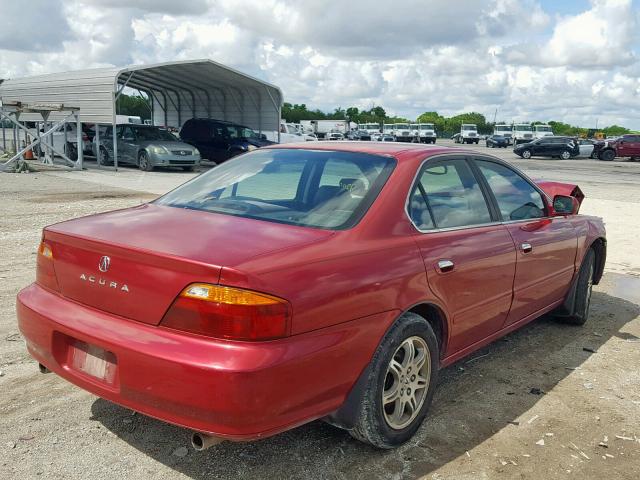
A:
296	283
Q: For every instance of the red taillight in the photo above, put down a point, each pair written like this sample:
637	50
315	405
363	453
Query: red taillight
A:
227	312
45	274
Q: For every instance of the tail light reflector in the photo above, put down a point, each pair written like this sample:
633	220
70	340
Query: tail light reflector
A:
45	273
227	312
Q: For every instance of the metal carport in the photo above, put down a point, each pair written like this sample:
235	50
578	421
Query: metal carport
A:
178	91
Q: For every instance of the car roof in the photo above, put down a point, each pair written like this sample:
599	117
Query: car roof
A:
399	150
213	120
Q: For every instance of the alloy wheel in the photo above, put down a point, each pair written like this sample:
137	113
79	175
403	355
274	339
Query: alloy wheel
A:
143	161
406	382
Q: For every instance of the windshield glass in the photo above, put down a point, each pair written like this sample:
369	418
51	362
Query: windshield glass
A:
543	128
523	128
398	126
151	134
427	126
503	128
469	127
323	189
236	131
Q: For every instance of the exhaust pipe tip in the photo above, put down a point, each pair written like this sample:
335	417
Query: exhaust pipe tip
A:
202	441
43	369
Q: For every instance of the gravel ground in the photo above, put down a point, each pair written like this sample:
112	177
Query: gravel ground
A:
533	405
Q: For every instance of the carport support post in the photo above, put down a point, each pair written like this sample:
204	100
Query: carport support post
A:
98	145
38	137
115	147
15	137
80	147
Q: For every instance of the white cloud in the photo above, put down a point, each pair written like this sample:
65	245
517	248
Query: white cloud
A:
597	38
427	55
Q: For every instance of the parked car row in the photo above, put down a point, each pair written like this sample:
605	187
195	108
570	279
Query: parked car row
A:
150	146
627	146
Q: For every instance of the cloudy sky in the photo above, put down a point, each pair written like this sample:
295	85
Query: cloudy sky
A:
571	60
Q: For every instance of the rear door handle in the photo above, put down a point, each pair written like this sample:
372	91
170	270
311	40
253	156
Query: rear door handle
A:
445	265
526	248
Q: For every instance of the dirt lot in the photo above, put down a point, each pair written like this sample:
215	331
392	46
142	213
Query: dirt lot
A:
533	405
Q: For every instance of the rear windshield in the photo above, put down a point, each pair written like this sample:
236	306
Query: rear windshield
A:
323	189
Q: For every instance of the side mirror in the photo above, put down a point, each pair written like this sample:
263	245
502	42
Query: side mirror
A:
263	136
565	205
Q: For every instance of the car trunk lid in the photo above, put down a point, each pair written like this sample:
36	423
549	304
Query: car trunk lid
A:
134	262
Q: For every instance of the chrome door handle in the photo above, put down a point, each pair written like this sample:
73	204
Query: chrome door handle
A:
526	248
445	265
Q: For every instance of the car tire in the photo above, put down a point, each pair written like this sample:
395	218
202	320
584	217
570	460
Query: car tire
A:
565	155
583	290
104	157
71	151
144	163
526	154
388	424
608	155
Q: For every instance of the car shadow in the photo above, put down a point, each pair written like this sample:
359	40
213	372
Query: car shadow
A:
476	397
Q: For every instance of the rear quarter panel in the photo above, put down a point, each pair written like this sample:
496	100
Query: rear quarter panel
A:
372	268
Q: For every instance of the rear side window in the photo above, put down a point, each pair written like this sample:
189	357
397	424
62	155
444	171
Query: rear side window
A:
447	195
517	199
324	189
196	130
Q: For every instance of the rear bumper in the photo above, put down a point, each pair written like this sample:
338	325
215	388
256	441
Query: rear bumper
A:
236	390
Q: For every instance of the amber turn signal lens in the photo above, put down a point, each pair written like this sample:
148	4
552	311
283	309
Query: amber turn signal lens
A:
227	295
227	312
45	250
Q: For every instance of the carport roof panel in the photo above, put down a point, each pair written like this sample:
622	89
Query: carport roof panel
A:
94	90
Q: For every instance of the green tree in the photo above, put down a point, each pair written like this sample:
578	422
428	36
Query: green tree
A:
453	124
134	105
353	114
615	130
378	112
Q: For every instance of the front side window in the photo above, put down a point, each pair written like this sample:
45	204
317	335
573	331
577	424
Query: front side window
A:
517	199
324	189
447	195
125	132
